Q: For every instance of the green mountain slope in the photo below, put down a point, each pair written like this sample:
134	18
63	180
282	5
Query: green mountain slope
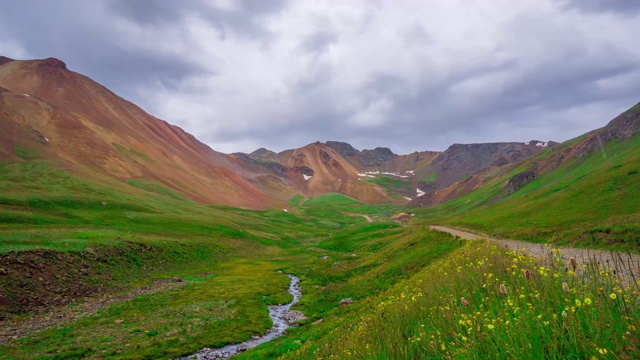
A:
586	191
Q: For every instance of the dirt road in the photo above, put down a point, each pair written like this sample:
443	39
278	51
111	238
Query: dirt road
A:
626	264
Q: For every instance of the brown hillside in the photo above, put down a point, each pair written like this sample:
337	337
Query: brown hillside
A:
321	169
70	119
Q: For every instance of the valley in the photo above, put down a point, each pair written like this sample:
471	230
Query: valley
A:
124	237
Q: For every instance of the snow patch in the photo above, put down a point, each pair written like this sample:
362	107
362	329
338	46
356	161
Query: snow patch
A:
306	177
285	210
46	138
527	143
420	192
366	175
407	198
542	144
409	172
394	174
27	95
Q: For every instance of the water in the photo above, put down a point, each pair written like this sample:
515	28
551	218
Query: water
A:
281	316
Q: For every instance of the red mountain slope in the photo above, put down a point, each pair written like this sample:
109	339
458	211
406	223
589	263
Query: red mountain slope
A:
65	117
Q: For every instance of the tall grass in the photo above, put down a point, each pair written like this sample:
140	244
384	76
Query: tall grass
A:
483	302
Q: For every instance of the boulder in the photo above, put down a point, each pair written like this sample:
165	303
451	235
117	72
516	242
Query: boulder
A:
346	301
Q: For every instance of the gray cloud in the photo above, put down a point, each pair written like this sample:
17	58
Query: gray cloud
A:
629	7
406	75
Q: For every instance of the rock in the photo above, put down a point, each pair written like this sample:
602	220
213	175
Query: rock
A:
519	180
4	272
346	301
293	316
119	321
400	216
176	279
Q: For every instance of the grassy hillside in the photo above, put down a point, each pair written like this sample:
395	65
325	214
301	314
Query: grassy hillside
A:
100	257
93	267
589	201
484	303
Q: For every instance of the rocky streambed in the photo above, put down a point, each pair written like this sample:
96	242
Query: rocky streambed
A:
282	317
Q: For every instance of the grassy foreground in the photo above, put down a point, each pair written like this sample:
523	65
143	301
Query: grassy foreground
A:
417	293
484	303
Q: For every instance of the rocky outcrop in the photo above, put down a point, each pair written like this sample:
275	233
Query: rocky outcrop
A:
376	157
346	301
519	180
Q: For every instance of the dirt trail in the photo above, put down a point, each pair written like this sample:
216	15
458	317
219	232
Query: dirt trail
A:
368	218
624	263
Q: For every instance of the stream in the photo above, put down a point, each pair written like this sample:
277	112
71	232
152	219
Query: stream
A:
282	317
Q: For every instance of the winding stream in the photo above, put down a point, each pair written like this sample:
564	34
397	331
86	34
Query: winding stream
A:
282	317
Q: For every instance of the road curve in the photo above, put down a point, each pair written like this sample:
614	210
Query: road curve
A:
624	263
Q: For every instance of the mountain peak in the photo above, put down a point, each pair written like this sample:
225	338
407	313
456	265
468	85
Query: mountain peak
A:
51	65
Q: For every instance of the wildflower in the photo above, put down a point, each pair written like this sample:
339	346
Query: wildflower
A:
587	301
527	273
464	302
503	289
565	287
578	303
613	296
490	326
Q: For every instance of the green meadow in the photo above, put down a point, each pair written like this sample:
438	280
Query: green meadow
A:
416	293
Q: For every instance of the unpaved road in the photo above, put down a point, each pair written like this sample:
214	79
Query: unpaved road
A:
625	263
368	218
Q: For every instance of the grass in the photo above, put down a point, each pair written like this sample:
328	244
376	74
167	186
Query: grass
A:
479	303
26	153
587	202
408	283
184	319
156	187
394	186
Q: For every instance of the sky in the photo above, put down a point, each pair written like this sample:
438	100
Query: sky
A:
408	75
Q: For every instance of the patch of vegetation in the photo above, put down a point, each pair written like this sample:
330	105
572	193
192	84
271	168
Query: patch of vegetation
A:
132	154
26	153
393	185
156	187
484	302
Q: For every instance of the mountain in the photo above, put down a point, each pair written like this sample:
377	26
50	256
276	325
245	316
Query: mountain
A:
583	192
459	169
52	113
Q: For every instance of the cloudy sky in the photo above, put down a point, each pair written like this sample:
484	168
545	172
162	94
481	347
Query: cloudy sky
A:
409	75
